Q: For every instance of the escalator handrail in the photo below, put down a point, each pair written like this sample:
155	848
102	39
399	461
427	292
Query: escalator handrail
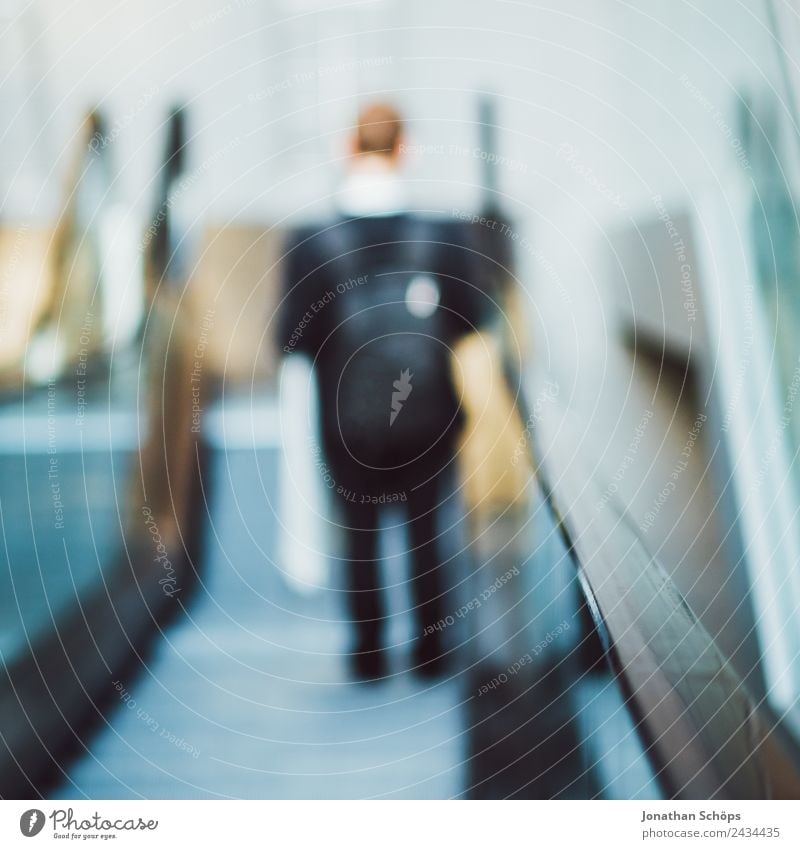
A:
703	730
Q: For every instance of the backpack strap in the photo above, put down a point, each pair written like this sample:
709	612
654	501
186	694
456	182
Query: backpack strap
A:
414	246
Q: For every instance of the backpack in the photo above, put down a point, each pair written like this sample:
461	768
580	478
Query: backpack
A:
387	391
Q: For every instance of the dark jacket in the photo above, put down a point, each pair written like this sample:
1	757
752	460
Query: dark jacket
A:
378	304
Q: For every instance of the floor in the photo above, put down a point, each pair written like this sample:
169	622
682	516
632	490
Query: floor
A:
248	694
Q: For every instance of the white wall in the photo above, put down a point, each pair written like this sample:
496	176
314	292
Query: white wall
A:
600	74
272	85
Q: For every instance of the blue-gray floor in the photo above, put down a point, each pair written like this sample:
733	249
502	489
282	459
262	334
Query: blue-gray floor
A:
248	695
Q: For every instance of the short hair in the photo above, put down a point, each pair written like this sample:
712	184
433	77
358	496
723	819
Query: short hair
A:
379	129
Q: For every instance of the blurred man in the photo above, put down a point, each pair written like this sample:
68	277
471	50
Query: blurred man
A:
377	297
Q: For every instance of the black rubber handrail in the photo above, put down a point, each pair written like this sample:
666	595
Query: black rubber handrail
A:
705	734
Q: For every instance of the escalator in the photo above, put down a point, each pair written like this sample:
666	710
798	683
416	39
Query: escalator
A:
153	648
577	672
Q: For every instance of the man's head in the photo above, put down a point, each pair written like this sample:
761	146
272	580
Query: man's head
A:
379	132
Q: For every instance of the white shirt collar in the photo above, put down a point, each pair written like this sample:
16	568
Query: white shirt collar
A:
368	192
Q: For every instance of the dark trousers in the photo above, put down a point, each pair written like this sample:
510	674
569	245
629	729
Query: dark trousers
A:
365	593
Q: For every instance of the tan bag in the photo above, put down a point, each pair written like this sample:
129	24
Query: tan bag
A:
493	453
